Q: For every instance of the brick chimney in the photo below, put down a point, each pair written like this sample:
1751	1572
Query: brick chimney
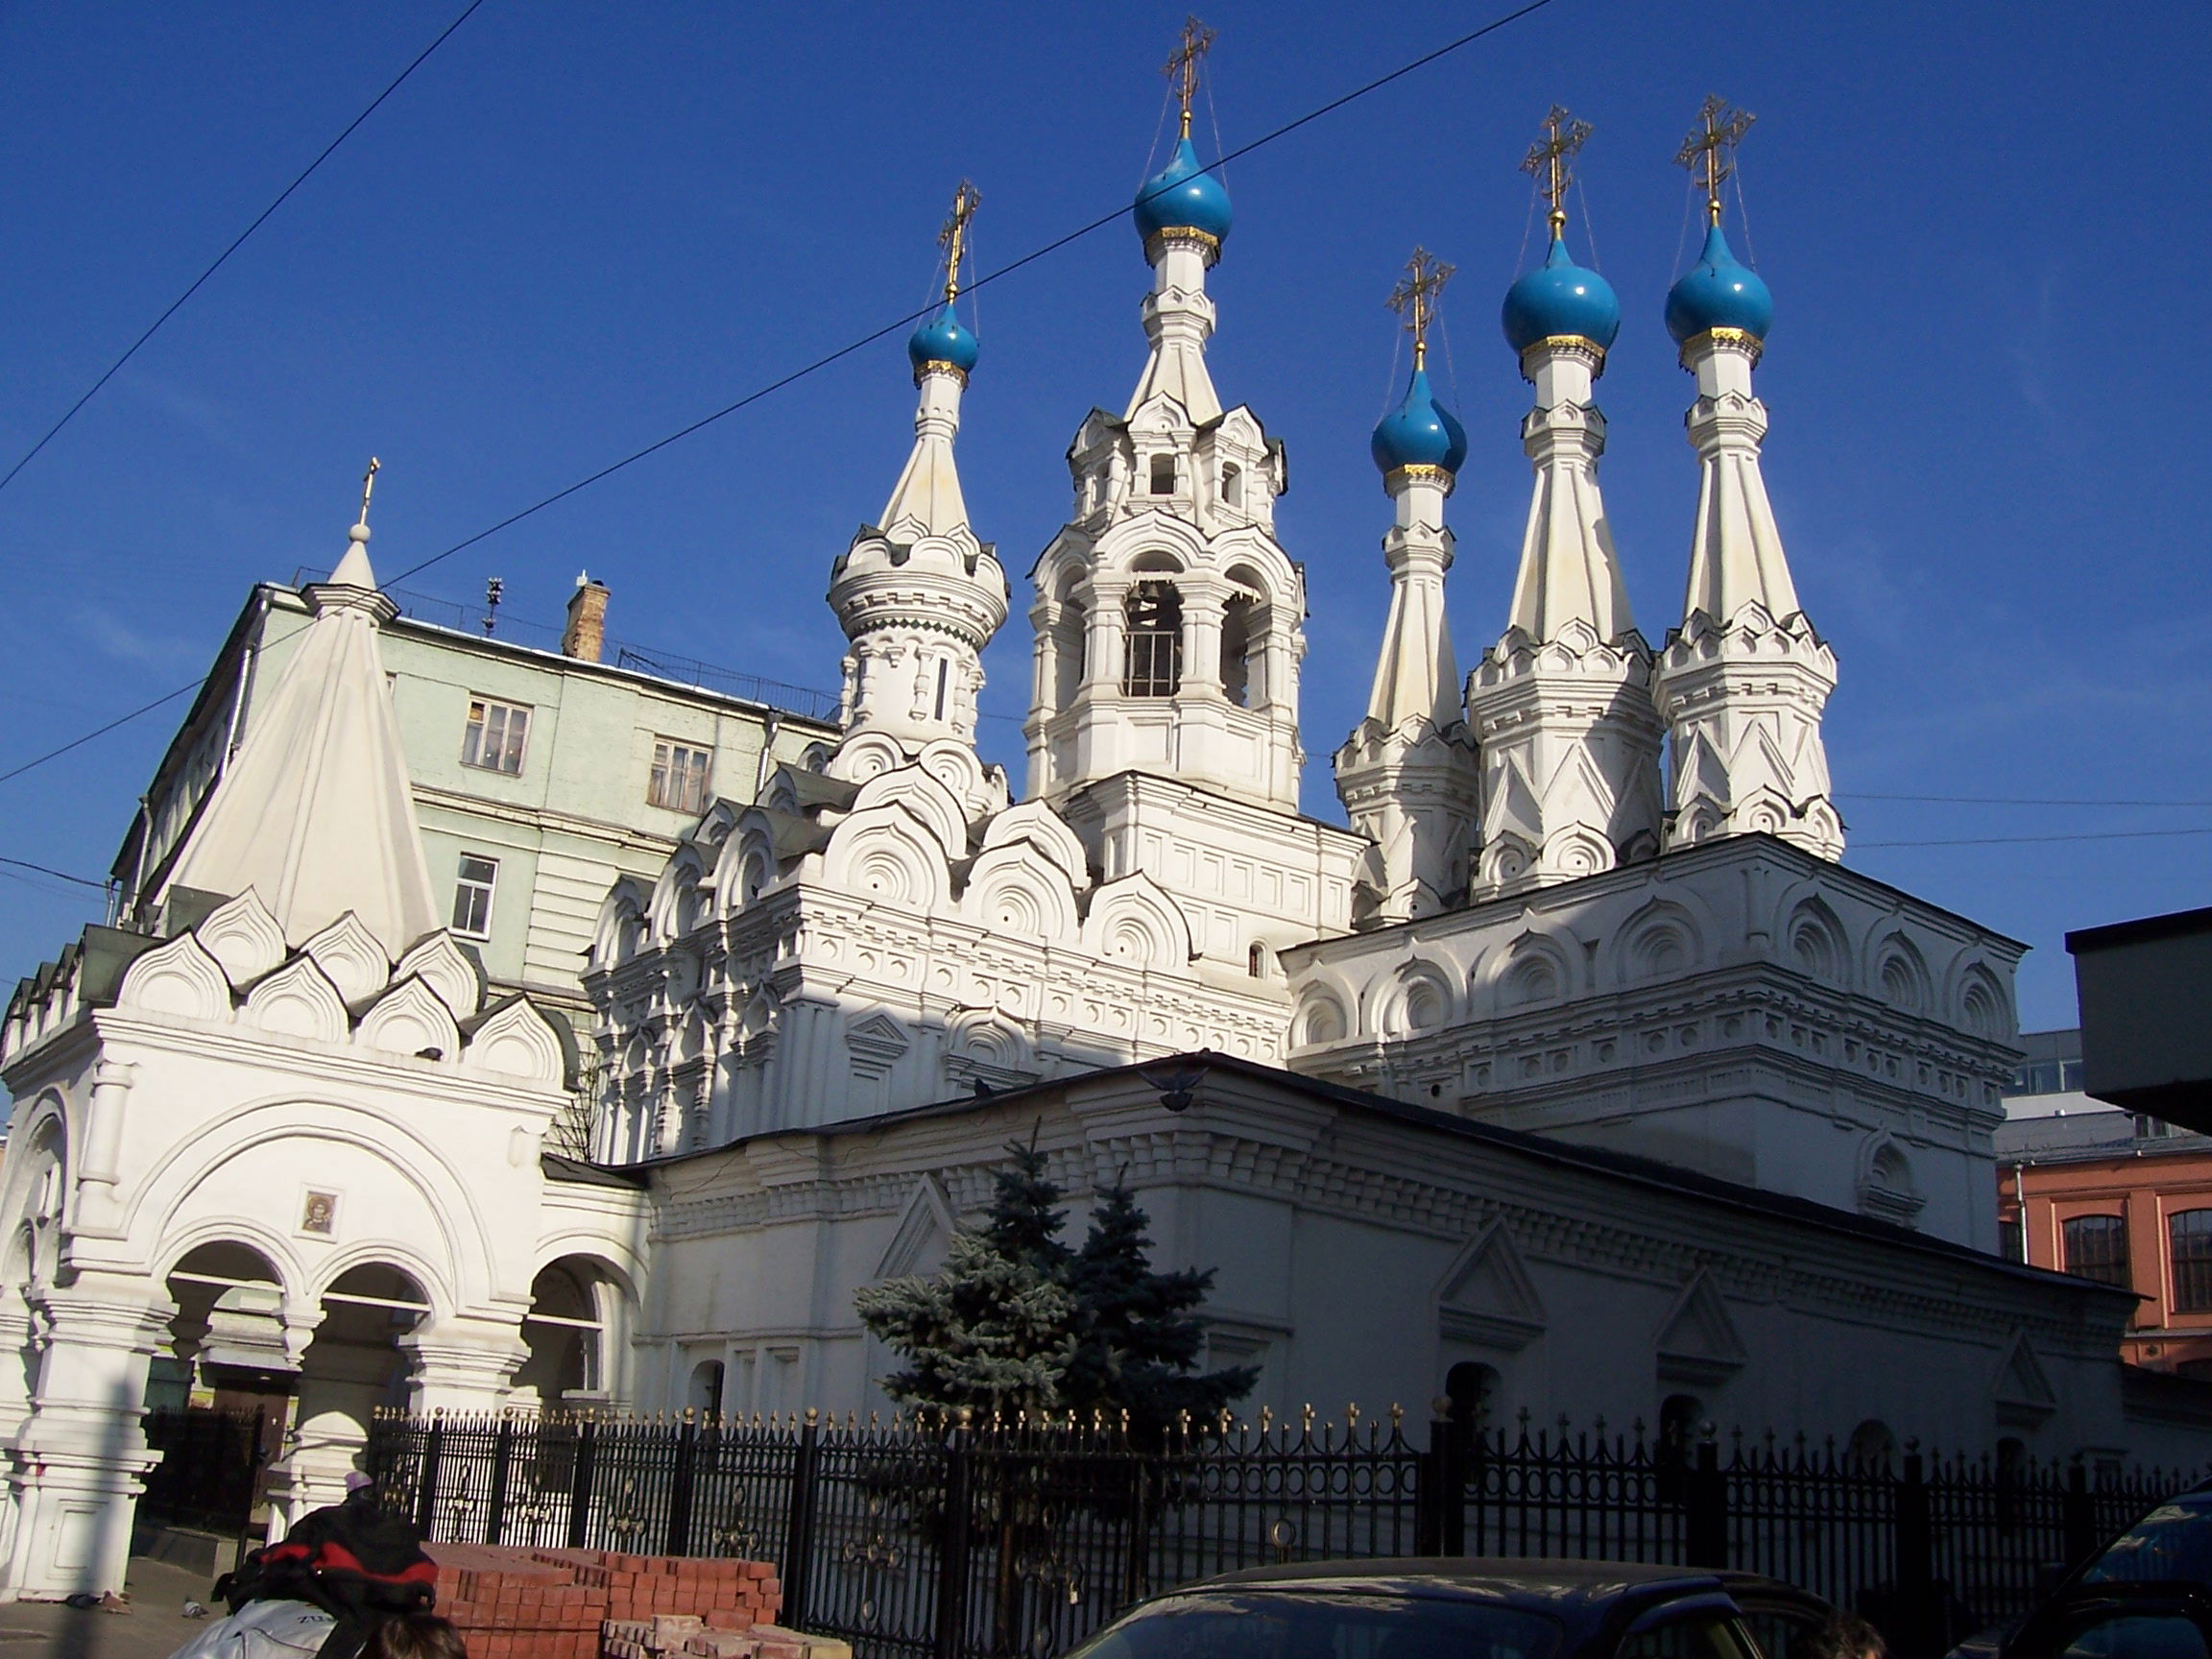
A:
585	637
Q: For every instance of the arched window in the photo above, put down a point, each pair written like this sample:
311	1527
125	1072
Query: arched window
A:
1237	650
1233	485
1256	959
2097	1247
1680	1416
1681	1427
1471	1391
1155	641
705	1393
2189	1234
1871	1445
1163	474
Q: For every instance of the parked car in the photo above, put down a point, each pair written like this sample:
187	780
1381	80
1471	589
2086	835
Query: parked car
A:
2148	1594
1467	1610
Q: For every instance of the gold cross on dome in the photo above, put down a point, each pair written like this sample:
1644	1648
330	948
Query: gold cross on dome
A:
1549	160
1415	298
953	237
1182	65
369	486
1711	145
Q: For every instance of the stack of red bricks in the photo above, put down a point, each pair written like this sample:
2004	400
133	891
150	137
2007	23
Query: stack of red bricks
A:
522	1604
510	1606
669	1636
726	1595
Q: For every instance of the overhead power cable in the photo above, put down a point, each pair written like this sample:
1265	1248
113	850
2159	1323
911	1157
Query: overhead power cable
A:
57	874
2027	840
102	731
2013	800
751	397
260	219
1031	258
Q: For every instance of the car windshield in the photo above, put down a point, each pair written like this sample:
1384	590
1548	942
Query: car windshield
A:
1322	1625
2173	1541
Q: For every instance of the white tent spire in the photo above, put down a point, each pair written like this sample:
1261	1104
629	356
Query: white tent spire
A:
1407	773
315	814
918	596
1561	705
1742	683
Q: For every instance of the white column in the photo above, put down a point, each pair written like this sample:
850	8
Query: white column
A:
77	1465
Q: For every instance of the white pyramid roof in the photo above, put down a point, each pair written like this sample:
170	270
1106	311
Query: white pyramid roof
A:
315	814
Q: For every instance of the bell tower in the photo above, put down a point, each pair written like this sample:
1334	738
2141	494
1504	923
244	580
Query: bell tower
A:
1167	616
917	595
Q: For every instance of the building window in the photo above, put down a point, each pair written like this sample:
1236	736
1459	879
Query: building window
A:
1163	474
2011	1238
472	896
494	737
2097	1248
2189	1233
678	776
1155	640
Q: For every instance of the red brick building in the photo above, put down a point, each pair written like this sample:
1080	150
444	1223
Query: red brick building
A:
2112	1196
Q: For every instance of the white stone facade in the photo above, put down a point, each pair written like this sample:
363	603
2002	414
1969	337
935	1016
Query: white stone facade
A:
231	1148
1745	1009
1363	1250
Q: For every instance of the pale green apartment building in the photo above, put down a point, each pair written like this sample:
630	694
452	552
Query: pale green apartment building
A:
541	773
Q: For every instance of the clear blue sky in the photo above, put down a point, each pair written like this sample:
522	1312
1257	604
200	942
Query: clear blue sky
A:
579	227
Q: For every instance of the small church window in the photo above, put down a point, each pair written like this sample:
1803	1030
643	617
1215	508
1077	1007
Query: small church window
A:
1256	959
1155	641
1233	485
944	681
472	896
1163	474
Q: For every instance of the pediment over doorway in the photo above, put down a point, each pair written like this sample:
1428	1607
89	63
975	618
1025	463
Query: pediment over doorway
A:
1486	1296
1697	1341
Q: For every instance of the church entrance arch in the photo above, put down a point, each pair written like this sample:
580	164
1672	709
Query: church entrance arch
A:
220	1394
578	1333
356	1364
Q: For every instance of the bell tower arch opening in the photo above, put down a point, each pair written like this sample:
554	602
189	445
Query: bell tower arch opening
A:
1153	665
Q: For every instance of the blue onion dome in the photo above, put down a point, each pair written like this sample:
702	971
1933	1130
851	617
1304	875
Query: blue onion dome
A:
1182	197
943	340
1557	298
1719	293
1420	432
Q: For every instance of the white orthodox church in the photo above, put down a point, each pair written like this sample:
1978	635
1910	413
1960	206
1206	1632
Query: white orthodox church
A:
1566	1075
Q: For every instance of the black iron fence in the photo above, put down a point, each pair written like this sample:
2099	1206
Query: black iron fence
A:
1014	1541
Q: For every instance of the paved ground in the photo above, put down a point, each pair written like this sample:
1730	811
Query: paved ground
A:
153	1628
